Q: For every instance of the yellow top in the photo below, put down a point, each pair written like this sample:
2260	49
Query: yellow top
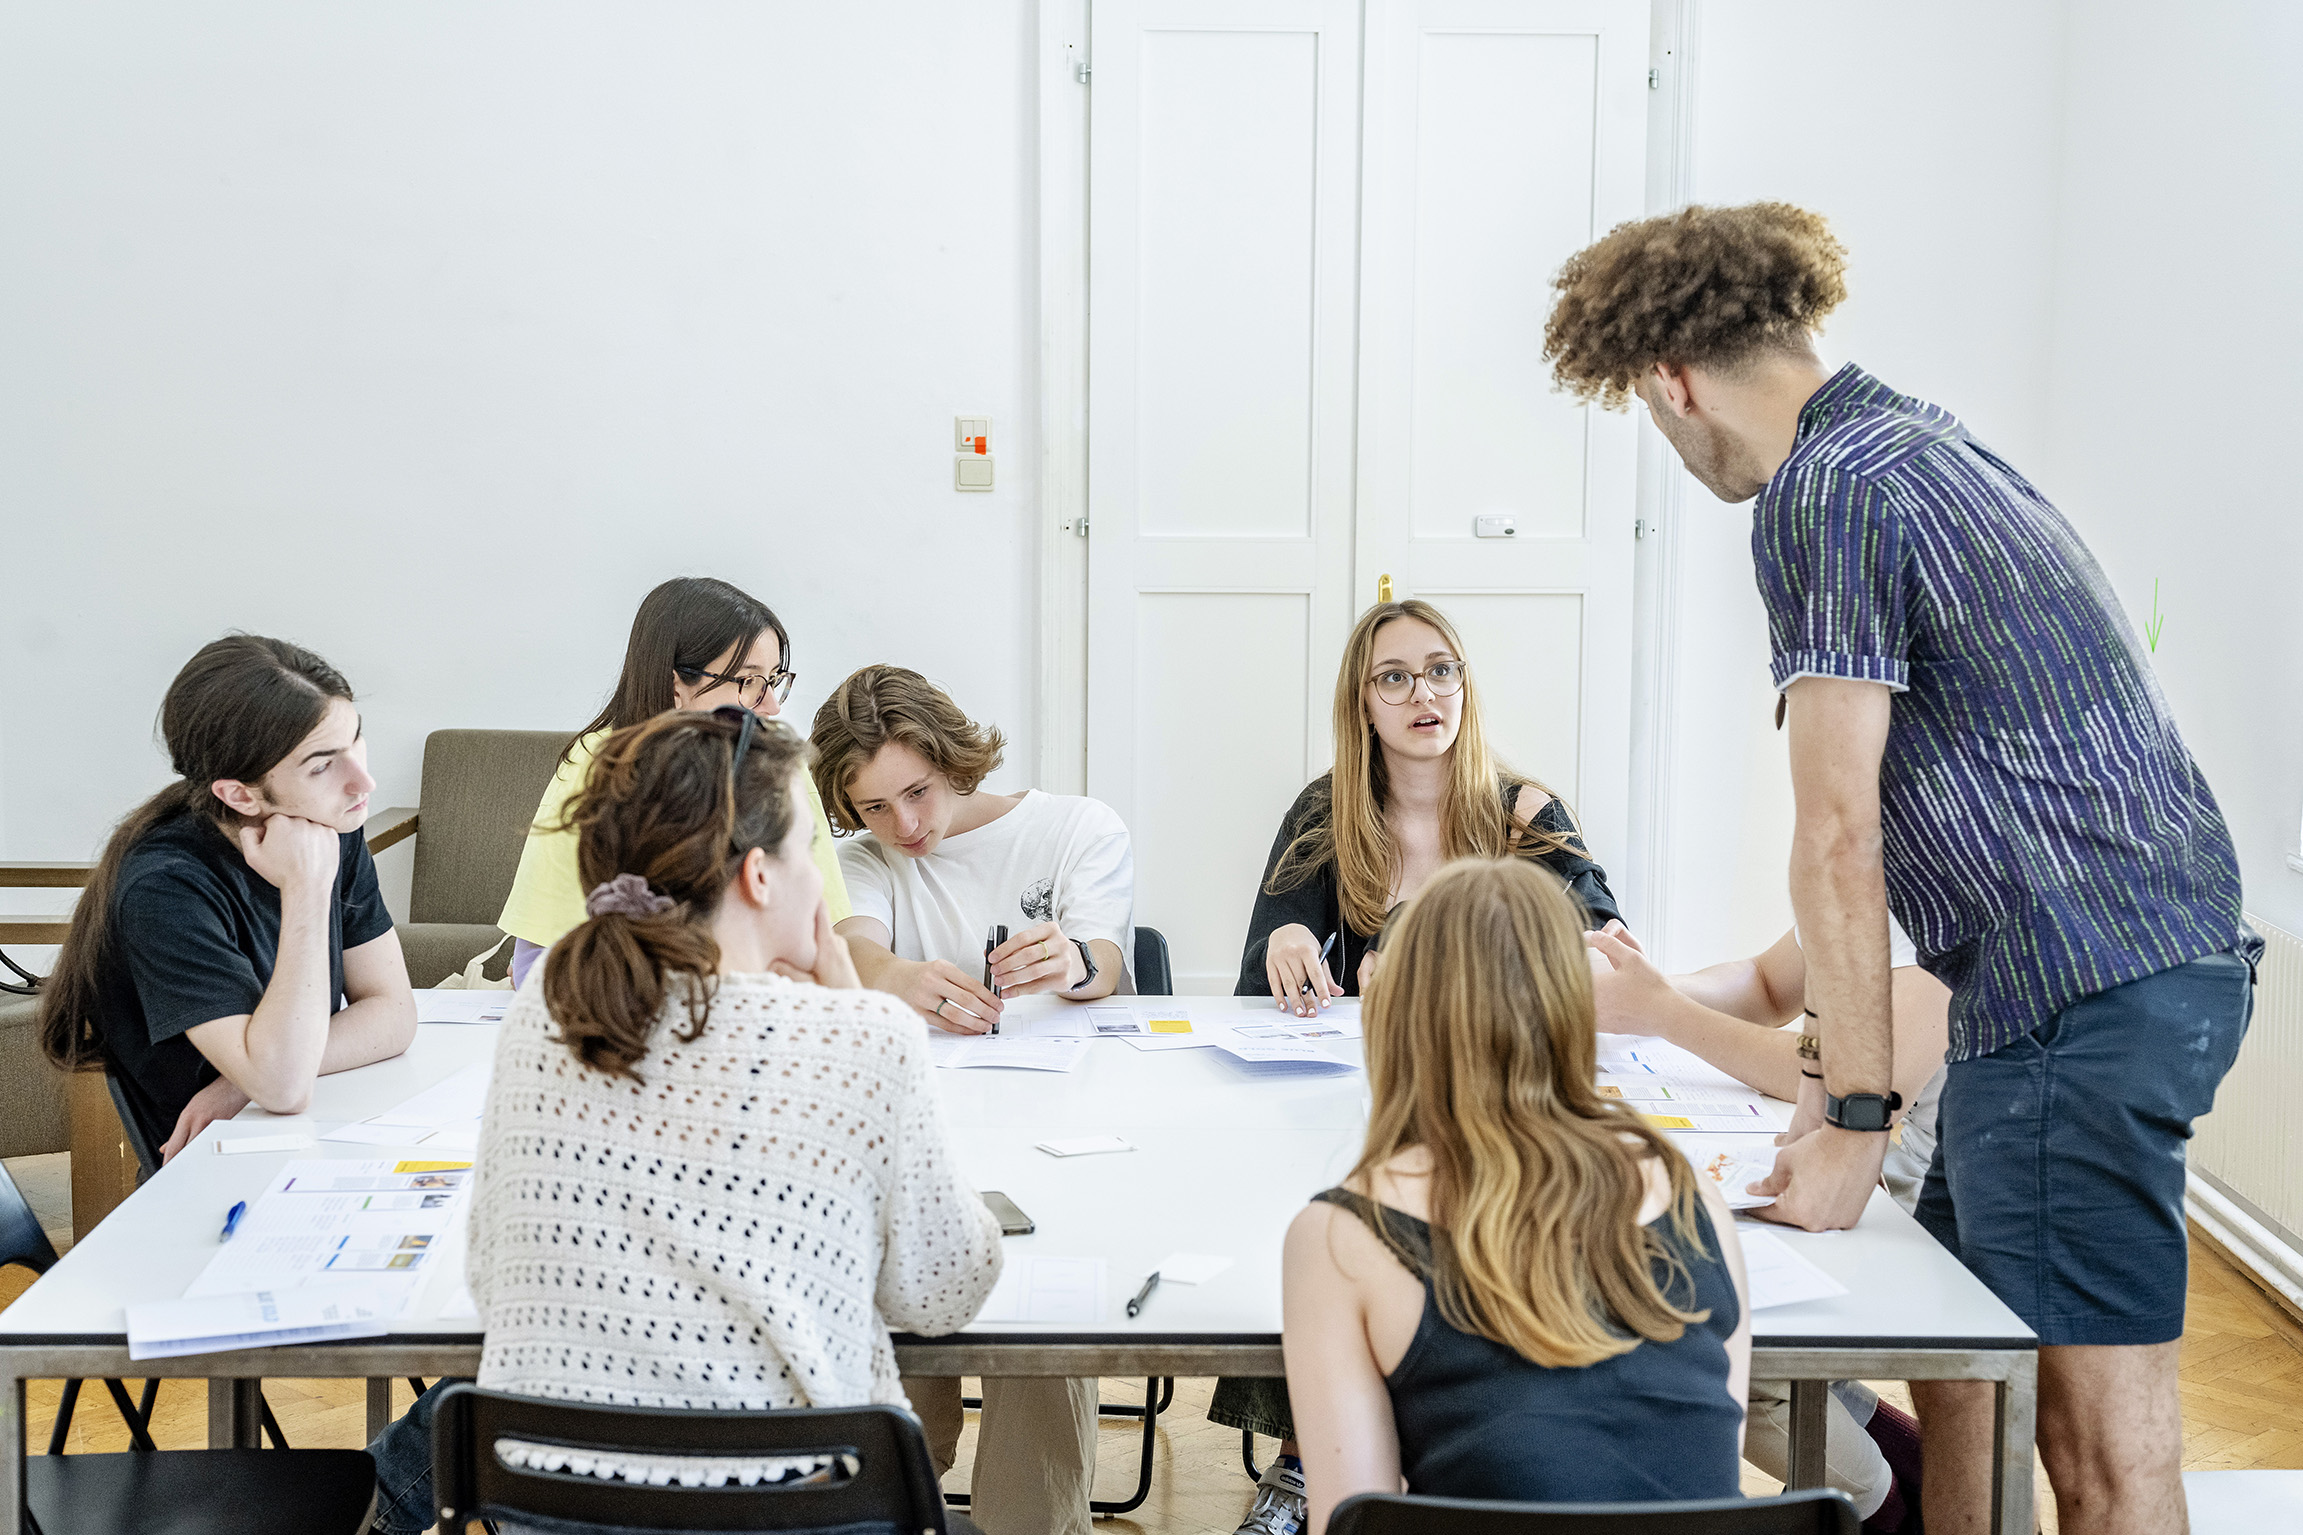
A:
547	897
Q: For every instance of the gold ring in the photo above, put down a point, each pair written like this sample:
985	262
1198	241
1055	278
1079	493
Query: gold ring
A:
1043	948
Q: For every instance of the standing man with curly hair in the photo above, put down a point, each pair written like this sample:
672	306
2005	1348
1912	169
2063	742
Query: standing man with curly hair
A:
1978	745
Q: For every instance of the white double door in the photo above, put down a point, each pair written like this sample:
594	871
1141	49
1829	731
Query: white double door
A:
1321	237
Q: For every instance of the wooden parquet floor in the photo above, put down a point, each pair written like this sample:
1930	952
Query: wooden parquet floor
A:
2242	1409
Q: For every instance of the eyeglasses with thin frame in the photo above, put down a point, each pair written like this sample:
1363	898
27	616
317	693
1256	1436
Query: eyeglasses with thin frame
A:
744	728
751	688
1396	684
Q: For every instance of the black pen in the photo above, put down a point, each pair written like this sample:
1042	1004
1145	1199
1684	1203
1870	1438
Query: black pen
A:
1144	1294
1325	950
992	940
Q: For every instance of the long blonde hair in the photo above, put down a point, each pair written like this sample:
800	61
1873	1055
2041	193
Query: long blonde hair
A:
1354	834
1480	1050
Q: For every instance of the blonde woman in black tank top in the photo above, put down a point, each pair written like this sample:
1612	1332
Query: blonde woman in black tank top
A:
1521	1291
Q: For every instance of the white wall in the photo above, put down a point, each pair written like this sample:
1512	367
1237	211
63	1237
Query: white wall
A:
1928	137
2178	379
432	335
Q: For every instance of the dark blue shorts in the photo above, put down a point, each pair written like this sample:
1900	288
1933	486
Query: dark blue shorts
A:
2058	1172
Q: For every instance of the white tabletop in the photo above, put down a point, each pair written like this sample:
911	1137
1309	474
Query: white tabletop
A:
1224	1159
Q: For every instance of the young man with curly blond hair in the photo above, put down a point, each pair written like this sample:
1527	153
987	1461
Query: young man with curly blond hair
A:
1978	745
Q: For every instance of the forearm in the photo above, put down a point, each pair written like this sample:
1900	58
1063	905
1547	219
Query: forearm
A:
286	1037
1754	1054
1736	988
374	1030
875	966
1839	890
1108	965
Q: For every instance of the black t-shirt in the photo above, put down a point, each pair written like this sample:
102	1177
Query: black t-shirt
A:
196	933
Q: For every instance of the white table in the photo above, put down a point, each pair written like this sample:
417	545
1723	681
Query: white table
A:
1225	1159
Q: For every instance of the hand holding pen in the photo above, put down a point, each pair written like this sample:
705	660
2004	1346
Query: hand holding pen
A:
1295	965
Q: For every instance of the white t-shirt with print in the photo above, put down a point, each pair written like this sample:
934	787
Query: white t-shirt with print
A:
1059	857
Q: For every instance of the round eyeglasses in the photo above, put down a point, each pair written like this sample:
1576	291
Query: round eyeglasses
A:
1395	685
751	688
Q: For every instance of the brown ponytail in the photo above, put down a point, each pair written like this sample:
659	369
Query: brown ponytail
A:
660	803
236	711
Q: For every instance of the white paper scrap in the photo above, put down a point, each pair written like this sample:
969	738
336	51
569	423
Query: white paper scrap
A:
983	1050
369	1132
1084	1146
1779	1276
452	1103
1038	1288
169	1329
458	1004
232	1146
1190	1268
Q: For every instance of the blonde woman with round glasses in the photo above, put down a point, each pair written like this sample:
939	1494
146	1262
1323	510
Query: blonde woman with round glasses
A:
1414	786
1521	1291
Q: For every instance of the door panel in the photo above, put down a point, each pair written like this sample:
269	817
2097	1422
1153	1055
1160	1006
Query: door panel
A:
1316	303
1503	136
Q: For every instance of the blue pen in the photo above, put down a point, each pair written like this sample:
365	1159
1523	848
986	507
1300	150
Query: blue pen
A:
232	1221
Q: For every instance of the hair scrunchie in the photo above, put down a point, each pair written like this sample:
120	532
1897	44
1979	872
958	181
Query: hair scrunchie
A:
626	895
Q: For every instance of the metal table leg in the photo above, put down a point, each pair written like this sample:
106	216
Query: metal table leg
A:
379	1405
12	1430
235	1415
2016	1399
1809	1398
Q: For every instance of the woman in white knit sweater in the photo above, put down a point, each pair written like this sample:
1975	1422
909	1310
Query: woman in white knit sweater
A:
712	1173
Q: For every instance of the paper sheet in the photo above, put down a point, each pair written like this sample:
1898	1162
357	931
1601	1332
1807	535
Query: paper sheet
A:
461	1005
1000	1050
170	1329
1730	1163
1321	1027
1037	1288
320	1223
1779	1276
452	1103
1283	1056
1190	1268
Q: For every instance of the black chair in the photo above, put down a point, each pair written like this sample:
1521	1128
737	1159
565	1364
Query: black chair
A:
1153	975
498	1456
22	1241
200	1492
1817	1511
1159	1395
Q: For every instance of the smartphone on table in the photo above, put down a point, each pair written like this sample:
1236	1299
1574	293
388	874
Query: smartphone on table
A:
1013	1221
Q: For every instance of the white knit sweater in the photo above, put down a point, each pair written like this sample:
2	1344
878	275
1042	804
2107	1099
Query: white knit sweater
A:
740	1231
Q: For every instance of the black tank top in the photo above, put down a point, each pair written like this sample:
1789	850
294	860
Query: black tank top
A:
1477	1420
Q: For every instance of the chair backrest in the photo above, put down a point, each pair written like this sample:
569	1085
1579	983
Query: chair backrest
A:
21	1239
504	1457
141	1143
1153	976
1818	1511
479	795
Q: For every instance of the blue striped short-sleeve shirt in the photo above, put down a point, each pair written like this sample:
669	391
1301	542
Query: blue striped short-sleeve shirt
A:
2047	835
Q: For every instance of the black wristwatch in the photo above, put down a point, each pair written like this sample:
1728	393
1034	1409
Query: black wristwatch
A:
1086	959
1861	1111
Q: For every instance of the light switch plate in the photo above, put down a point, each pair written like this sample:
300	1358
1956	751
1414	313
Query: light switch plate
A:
1495	527
972	434
972	471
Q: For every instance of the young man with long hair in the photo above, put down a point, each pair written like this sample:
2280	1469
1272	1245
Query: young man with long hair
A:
232	944
1977	744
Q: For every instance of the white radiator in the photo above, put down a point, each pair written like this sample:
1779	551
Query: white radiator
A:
2246	1186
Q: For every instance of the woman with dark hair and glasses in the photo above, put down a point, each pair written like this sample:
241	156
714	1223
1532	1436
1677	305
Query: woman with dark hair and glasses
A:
697	643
